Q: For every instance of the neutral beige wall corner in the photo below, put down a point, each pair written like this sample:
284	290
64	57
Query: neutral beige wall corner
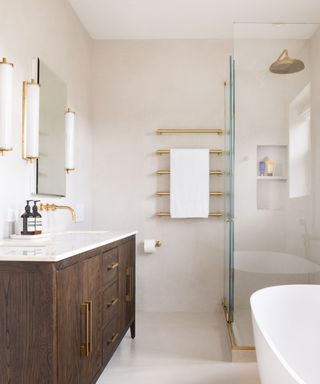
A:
140	86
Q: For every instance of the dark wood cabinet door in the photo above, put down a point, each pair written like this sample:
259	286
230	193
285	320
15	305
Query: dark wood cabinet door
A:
27	323
91	301
127	283
68	325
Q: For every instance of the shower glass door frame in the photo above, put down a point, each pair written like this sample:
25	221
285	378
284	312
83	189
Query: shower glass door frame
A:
229	187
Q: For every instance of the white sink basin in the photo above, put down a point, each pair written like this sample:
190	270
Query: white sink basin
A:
45	240
82	233
59	246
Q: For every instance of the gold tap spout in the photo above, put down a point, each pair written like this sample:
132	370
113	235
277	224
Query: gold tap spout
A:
53	207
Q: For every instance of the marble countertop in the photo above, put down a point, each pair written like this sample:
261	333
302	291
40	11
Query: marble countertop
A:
60	246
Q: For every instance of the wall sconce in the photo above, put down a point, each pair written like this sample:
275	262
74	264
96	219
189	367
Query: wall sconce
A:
30	123
69	140
6	77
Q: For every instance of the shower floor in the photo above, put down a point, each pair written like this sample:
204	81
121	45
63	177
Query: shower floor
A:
242	327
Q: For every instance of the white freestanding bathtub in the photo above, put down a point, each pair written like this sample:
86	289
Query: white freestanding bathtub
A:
286	323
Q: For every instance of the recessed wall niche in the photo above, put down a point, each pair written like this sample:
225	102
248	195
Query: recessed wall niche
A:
272	190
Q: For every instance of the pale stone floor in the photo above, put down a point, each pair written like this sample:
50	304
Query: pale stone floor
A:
177	348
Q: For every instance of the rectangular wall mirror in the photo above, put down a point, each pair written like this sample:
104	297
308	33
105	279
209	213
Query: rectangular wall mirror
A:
50	172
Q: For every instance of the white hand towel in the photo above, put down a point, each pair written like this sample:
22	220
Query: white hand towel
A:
189	183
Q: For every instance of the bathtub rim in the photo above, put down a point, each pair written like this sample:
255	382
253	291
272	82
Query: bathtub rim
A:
276	254
268	339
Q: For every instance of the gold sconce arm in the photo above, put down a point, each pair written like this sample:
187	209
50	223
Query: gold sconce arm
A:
4	150
53	207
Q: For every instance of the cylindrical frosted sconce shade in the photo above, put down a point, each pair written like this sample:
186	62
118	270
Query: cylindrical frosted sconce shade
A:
31	120
69	140
6	76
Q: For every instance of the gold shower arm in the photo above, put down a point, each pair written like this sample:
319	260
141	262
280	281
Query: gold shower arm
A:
283	55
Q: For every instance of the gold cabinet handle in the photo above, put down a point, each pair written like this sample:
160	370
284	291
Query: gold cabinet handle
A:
113	338
112	266
91	326
112	302
84	347
86	310
129	284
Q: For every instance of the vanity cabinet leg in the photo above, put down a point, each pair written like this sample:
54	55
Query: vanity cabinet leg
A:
133	329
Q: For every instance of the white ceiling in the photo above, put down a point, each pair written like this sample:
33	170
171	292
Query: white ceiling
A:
186	19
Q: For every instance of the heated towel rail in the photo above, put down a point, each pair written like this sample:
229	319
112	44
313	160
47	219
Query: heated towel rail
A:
212	172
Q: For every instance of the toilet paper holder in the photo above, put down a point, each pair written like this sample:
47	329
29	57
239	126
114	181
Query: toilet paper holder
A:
151	245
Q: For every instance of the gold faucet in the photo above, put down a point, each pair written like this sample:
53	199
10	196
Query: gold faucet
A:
53	207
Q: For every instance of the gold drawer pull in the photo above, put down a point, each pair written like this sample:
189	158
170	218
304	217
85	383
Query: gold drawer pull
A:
112	302
86	310
113	338
113	266
129	285
90	310
84	347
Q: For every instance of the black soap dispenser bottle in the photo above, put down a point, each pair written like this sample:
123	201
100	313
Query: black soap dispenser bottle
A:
28	222
37	219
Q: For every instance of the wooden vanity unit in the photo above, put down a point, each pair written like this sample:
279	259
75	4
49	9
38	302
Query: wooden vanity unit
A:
61	321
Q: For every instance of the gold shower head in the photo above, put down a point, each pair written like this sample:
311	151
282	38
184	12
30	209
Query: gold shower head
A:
285	65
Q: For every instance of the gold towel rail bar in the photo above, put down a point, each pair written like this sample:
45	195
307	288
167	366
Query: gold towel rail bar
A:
210	193
211	214
211	151
204	131
167	172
